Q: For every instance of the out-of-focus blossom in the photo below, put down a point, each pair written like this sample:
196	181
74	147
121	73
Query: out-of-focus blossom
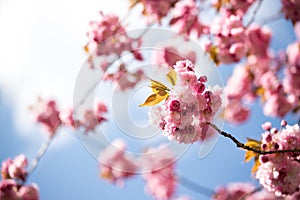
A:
196	105
160	177
236	112
291	81
115	165
280	173
29	192
258	40
155	10
47	114
108	37
291	10
92	118
8	190
233	191
124	79
169	56
185	18
230	39
15	169
232	7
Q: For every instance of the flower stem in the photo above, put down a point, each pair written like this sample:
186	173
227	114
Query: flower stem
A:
196	187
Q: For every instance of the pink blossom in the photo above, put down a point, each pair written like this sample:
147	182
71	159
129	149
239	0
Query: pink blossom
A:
161	180
155	10
29	192
15	169
8	190
190	106
259	40
185	18
262	195
291	81
67	118
239	84
236	112
169	56
291	10
230	39
47	114
233	191
233	7
124	79
92	118
115	165
108	36
280	173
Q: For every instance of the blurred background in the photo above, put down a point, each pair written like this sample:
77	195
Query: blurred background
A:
41	52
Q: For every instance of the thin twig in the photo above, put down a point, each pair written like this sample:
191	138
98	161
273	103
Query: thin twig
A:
245	147
34	163
254	13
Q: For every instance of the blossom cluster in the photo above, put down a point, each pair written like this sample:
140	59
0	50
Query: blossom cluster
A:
157	164
280	172
190	106
12	185
49	116
108	36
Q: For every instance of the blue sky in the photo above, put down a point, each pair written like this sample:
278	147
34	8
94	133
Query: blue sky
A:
41	48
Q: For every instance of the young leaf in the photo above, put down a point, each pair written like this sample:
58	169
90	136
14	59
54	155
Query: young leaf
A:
154	99
250	154
172	76
158	86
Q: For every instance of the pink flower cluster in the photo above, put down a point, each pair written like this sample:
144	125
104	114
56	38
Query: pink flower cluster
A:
51	118
115	165
291	81
239	190
291	10
280	173
155	10
169	56
233	41
190	106
258	77
161	181
108	36
185	18
124	79
13	177
157	165
48	115
92	117
232	7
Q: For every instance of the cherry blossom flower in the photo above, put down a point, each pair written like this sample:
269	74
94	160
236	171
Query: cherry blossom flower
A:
47	114
15	169
115	165
185	18
8	190
189	107
155	10
280	173
291	10
233	7
169	56
236	112
29	192
92	118
161	180
230	39
124	79
233	191
258	40
108	37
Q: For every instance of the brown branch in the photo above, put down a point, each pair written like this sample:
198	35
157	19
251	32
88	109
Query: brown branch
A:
245	147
